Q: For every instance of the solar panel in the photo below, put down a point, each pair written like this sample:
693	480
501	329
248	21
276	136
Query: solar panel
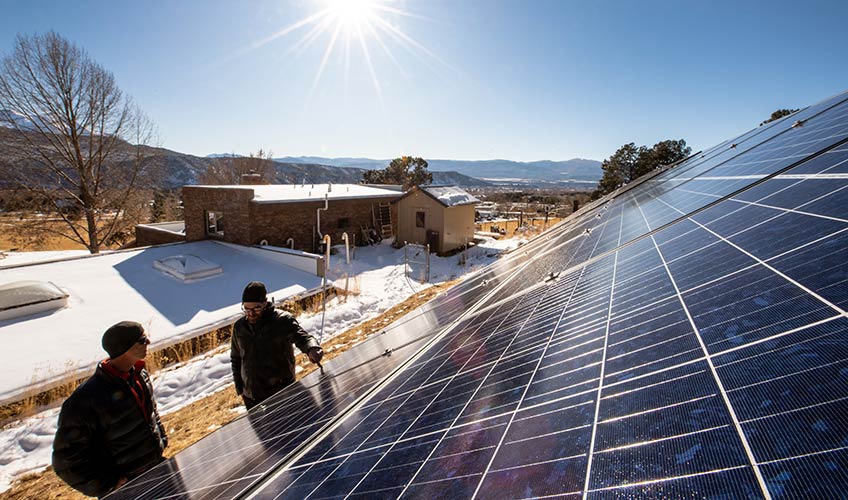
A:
685	336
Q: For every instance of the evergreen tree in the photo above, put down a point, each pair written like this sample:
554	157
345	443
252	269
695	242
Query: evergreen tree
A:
777	115
407	170
630	162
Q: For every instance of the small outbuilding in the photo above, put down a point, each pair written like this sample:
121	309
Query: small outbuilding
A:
441	216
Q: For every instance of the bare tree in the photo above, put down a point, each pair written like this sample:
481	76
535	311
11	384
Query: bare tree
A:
78	144
228	170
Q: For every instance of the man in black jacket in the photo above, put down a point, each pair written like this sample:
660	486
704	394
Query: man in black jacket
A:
109	428
261	353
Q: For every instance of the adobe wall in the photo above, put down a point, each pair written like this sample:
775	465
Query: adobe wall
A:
407	231
458	227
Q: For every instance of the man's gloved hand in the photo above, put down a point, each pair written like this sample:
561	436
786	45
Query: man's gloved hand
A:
315	354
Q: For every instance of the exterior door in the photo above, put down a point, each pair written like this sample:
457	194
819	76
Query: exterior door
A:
420	220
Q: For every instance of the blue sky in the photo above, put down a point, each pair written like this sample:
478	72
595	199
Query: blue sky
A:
520	80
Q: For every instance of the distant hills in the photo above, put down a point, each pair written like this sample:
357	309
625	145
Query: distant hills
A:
186	169
577	171
180	169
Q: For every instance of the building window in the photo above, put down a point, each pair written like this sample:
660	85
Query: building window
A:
215	224
344	222
419	219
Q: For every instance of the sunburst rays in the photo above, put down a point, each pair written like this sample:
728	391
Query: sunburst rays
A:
356	28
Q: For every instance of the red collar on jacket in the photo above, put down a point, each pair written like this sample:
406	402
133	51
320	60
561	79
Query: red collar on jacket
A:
111	370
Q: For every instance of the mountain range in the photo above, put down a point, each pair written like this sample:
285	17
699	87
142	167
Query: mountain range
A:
181	169
574	171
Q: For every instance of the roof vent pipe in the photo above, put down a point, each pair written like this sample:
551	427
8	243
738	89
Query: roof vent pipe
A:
318	214
347	247
326	241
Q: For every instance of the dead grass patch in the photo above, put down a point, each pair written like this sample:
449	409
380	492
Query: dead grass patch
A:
12	239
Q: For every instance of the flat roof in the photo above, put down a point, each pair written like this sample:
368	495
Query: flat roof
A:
112	287
292	193
448	196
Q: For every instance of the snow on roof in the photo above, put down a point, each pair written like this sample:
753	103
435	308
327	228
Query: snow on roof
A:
291	193
108	288
450	196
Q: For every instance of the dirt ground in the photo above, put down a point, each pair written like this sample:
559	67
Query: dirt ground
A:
187	425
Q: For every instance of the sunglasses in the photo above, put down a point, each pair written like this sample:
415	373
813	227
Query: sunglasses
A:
254	310
143	340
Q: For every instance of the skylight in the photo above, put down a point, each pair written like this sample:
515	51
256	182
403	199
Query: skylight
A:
187	267
23	298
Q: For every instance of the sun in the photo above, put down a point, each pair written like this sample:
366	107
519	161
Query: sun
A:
350	26
351	14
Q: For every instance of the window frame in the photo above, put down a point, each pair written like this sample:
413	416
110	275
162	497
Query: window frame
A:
214	223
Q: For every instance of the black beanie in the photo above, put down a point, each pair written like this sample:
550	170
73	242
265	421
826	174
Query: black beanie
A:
254	292
120	337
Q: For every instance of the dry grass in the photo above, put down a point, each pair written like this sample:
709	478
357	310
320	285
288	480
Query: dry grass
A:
510	226
188	425
11	238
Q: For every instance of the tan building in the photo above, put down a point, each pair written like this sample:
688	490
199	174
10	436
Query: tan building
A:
286	215
441	216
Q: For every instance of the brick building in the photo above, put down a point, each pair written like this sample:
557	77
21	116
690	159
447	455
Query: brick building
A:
286	214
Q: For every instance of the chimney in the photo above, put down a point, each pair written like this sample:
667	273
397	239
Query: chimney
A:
251	179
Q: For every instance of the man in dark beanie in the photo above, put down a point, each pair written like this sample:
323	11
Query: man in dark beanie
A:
109	428
261	352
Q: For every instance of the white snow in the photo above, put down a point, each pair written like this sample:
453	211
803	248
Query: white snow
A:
450	195
377	272
291	193
16	258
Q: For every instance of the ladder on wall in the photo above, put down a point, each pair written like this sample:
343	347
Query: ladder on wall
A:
385	220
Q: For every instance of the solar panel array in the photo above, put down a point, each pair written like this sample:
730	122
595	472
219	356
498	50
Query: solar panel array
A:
686	336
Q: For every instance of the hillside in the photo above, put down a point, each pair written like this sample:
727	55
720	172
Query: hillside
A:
178	169
498	171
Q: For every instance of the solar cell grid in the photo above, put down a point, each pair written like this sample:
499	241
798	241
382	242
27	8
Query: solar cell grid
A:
475	409
820	267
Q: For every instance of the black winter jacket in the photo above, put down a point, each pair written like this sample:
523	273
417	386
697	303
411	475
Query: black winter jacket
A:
262	355
103	434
